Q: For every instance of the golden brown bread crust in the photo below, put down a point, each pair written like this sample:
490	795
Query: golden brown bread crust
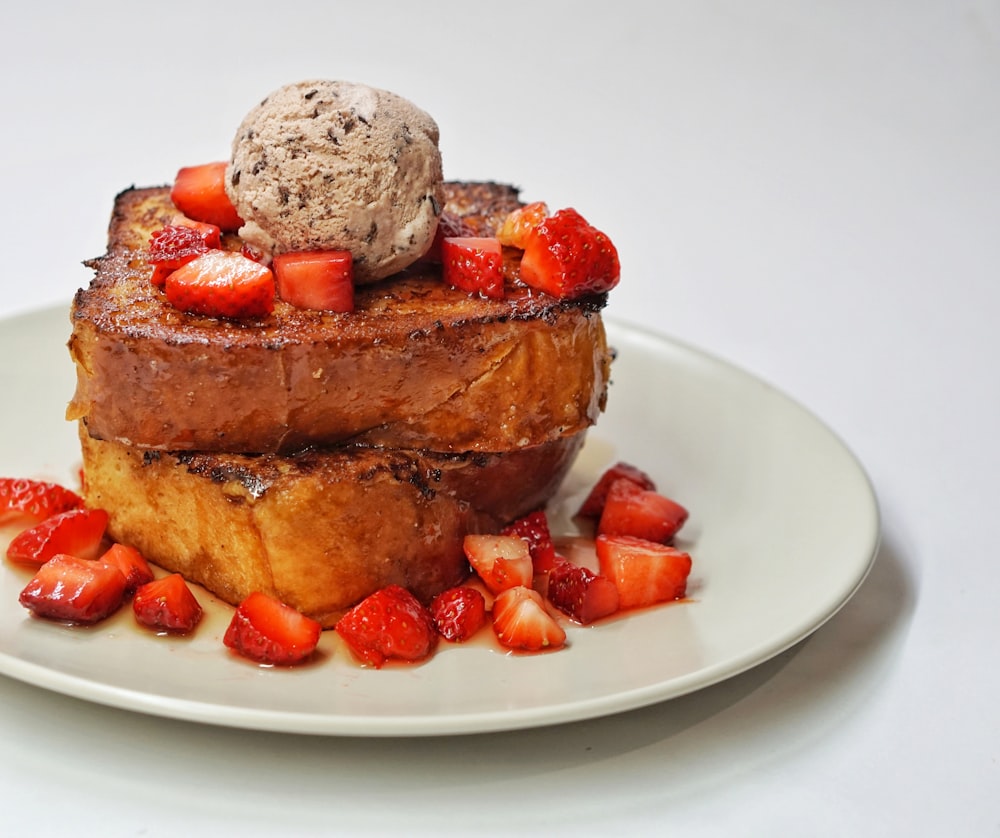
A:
416	365
319	530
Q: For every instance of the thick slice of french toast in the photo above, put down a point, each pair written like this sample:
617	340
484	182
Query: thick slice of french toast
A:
417	365
319	530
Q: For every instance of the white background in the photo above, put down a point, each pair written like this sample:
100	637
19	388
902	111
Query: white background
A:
809	190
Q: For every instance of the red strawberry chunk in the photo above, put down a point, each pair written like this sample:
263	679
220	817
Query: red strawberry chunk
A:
501	561
34	499
316	279
568	258
167	605
449	226
77	531
74	589
644	572
593	506
175	245
582	594
458	613
521	622
473	264
388	624
220	283
630	510
534	529
267	631
131	563
519	224
200	193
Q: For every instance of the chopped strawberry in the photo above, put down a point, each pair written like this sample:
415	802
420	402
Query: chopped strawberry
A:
131	563
521	622
501	561
473	264
388	624
74	589
518	224
580	593
316	279
200	193
267	631
566	257
644	572
630	510
449	226
222	284
534	529
593	506
34	499
77	531
458	613
176	245
168	605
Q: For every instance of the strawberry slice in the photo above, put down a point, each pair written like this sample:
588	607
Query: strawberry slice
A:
175	245
388	624
74	589
449	226
644	572
521	622
582	594
265	630
316	279
473	264
200	193
519	223
593	506
34	499
568	258
630	510
77	531
501	561
167	605
458	613
220	283
131	563
534	529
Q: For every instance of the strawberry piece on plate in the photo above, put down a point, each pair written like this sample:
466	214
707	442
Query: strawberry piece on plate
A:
458	613
518	225
316	279
75	590
167	605
501	561
582	594
35	500
534	529
644	572
388	624
200	193
473	264
131	563
630	510
593	506
175	245
265	630
77	531
220	283
568	258
521	622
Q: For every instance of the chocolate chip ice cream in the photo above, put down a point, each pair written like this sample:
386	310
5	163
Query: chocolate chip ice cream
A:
333	165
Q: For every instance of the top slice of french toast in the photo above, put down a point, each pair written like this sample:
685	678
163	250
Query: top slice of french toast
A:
417	364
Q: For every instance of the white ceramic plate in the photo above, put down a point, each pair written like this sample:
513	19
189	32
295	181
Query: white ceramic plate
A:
783	530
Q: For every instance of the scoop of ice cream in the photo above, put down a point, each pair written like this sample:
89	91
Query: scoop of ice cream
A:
332	165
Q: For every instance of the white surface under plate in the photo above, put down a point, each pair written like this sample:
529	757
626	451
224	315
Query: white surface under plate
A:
783	529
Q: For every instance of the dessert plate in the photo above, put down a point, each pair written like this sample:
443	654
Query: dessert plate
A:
784	527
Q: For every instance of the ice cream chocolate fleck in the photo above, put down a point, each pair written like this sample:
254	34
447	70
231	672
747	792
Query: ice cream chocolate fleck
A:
333	165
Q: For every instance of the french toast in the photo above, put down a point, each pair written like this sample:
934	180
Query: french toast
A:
321	529
416	365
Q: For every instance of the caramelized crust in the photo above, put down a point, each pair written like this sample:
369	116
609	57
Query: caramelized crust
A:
319	530
416	365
